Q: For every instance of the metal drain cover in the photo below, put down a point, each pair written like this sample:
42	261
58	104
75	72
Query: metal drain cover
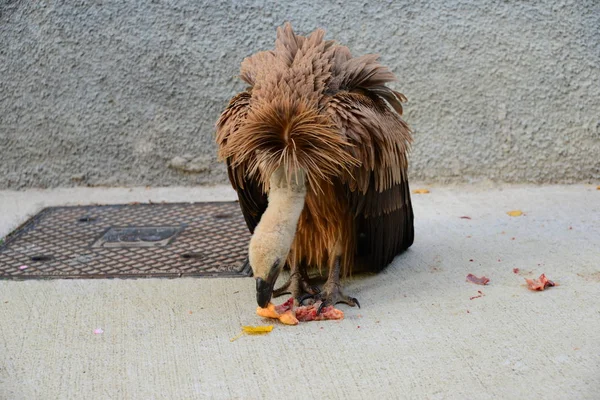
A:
143	236
129	241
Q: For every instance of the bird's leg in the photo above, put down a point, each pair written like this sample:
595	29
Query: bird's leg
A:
297	285
332	290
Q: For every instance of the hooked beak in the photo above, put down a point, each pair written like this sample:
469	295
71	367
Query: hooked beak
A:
264	287
264	290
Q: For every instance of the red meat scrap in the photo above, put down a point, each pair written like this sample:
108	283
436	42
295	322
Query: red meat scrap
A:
479	281
478	296
309	313
539	284
288	305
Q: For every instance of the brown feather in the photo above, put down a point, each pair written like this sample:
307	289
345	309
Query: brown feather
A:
292	134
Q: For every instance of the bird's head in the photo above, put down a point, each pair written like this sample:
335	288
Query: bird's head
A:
273	237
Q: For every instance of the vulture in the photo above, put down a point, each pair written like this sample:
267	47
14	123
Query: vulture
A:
316	150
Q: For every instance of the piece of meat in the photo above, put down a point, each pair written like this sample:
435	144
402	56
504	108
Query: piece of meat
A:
309	313
288	305
479	281
539	284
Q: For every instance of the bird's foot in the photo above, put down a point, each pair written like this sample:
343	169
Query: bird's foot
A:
298	286
330	296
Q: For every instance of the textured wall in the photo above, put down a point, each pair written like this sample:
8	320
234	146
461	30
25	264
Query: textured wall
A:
112	92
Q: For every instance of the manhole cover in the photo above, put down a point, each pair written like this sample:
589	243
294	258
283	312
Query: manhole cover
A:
126	241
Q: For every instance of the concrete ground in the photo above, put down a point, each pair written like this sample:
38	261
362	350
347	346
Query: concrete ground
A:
422	332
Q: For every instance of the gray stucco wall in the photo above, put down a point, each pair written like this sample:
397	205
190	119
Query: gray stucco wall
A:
109	92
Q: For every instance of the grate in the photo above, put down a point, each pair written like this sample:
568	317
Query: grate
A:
126	241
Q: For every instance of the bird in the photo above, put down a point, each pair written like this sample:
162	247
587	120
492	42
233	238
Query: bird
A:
317	150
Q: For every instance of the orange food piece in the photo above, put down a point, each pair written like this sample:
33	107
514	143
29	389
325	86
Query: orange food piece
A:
283	313
420	191
515	213
267	312
288	318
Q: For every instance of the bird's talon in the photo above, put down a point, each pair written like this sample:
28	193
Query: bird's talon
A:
321	307
305	297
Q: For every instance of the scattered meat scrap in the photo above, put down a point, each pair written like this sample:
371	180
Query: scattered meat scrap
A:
479	281
539	284
420	191
288	315
22	267
98	331
465	217
478	296
515	213
515	270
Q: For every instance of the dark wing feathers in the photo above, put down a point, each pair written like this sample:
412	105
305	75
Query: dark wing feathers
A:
378	190
253	201
384	224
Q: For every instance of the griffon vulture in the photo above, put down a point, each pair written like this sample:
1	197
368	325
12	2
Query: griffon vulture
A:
317	151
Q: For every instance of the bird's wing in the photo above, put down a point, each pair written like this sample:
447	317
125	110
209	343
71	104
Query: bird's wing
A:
378	189
253	201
